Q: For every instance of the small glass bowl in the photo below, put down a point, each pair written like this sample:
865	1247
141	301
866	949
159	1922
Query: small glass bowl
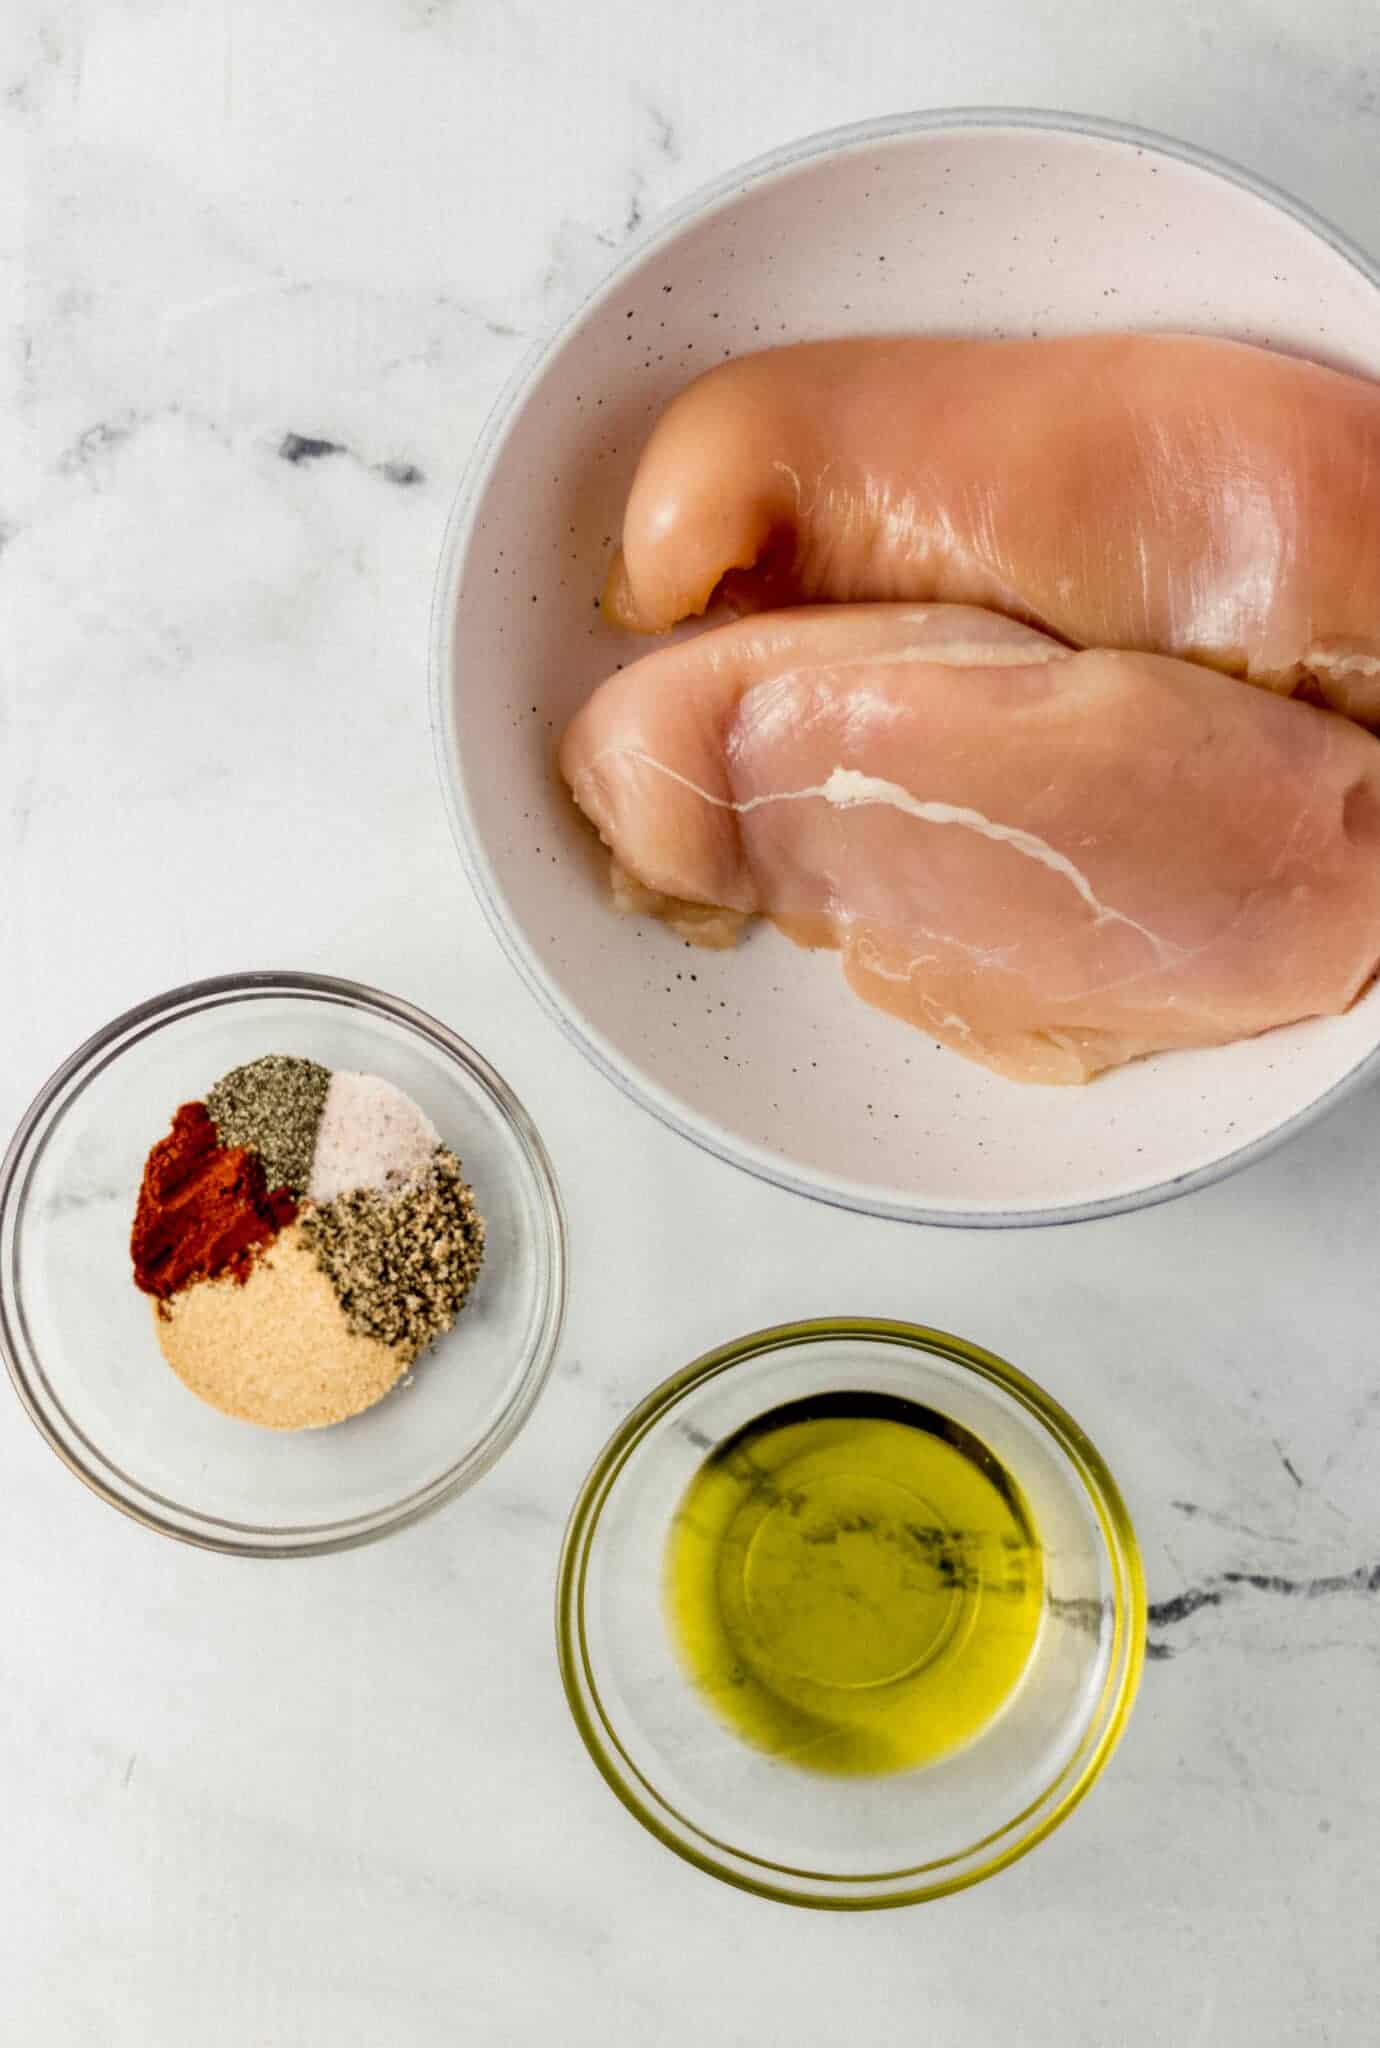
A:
758	1821
78	1338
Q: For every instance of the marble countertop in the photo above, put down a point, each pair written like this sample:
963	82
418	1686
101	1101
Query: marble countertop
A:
270	265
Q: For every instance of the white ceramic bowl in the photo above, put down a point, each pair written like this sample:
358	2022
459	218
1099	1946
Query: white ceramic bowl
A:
985	223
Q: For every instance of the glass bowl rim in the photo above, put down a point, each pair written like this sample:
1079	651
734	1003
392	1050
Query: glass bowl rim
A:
1105	1721
64	1088
631	1080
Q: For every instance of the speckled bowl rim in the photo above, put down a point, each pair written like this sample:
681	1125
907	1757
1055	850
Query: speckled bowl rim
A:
1105	1718
156	1511
641	1088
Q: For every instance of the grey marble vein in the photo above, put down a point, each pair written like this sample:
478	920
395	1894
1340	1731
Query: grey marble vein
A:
665	149
307	448
73	1197
97	442
1228	1585
1194	1511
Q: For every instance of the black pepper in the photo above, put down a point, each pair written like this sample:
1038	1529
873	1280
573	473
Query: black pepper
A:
403	1264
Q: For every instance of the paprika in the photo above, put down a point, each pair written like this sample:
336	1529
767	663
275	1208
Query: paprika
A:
205	1209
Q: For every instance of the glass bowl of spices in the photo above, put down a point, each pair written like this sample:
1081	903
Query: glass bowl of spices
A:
282	1264
850	1614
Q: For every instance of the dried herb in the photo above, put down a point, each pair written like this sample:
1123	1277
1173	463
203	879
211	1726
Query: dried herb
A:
273	1107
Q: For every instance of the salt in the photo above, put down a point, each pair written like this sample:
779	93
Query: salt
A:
371	1135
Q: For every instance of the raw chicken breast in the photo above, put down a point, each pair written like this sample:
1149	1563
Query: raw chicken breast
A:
1173	493
1053	862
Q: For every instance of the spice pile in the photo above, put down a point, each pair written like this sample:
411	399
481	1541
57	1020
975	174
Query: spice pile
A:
304	1235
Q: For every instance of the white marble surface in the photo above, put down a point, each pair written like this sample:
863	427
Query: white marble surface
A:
341	1801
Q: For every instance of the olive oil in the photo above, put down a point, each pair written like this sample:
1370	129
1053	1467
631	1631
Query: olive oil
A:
855	1584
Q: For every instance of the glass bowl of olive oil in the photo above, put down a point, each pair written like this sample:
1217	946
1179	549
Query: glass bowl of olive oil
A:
850	1613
